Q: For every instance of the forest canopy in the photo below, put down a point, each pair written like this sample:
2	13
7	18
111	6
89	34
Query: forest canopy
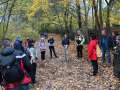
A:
57	16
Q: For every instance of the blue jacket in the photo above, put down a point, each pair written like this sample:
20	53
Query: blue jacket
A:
106	42
65	41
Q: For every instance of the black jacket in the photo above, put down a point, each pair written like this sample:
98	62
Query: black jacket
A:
116	62
19	55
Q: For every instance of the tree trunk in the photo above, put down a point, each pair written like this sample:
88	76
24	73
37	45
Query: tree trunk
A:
97	24
5	28
93	19
70	25
79	15
100	14
86	13
66	16
109	6
108	20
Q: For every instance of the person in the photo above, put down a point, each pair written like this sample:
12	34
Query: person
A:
21	54
42	46
65	44
14	76
105	45
30	42
26	43
51	42
114	35
79	45
33	54
92	54
116	59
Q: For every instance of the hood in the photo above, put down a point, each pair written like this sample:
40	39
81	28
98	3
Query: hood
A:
18	46
7	51
95	41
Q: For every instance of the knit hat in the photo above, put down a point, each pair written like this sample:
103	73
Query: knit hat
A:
18	38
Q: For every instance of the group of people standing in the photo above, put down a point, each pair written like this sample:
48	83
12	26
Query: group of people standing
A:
65	43
18	62
106	44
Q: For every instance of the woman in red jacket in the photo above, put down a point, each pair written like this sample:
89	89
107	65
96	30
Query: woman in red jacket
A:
92	54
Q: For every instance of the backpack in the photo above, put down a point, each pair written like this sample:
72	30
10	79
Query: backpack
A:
10	69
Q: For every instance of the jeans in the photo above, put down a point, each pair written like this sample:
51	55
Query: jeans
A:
95	67
66	53
52	49
108	56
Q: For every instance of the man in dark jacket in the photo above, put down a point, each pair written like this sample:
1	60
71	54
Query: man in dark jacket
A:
116	60
19	55
22	52
106	45
65	44
114	35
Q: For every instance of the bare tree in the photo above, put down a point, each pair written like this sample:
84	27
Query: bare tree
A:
8	8
109	7
97	22
78	10
87	8
100	14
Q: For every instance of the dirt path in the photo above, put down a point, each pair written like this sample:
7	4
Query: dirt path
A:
74	75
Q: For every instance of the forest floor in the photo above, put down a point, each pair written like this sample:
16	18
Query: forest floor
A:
73	75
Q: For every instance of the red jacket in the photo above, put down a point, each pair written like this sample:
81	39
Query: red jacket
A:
92	54
26	80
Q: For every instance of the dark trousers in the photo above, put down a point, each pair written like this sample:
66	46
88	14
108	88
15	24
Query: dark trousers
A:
107	53
79	51
22	87
33	73
95	67
52	51
42	55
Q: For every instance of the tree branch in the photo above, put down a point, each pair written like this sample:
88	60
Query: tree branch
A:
107	2
5	11
8	19
4	2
